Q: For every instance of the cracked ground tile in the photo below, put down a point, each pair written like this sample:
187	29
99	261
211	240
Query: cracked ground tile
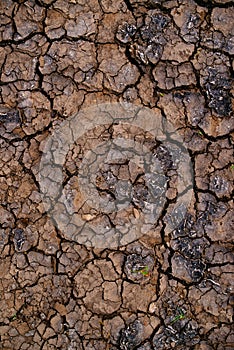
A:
168	288
190	18
67	57
158	39
101	295
168	76
118	71
19	66
28	19
220	36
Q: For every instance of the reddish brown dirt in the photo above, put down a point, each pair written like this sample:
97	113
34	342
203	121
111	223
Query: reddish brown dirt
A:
167	289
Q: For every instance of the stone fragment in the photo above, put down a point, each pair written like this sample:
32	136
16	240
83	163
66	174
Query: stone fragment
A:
169	338
8	115
218	92
130	337
125	32
19	238
187	270
215	78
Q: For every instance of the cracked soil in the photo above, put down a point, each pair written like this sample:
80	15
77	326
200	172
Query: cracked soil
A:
167	289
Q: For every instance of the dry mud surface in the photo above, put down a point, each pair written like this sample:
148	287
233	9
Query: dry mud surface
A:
165	288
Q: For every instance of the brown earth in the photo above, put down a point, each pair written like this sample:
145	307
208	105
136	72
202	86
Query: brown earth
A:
164	289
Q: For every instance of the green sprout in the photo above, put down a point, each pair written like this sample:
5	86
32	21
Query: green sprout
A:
200	133
232	167
13	317
178	317
144	270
